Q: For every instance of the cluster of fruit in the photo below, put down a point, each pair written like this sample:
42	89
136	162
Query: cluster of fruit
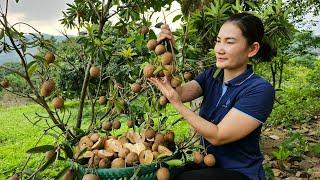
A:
130	149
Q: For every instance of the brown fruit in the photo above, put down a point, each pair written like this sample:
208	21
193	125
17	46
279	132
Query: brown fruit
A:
118	163
47	87
123	153
160	49
166	58
132	158
146	157
58	102
159	139
163	100
136	88
104	154
197	157
176	81
209	160
150	133
168	70
123	140
94	137
49	57
155	154
14	177
90	177
116	124
155	147
118	86
144	30
50	154
68	175
165	26
102	163
148	70
5	83
102	100
130	123
163	174
169	136
188	76
94	71
99	143
106	125
164	150
152	43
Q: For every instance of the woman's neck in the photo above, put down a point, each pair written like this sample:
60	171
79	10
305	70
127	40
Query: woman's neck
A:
229	74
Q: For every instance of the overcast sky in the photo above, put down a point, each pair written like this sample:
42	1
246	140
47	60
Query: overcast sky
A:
44	15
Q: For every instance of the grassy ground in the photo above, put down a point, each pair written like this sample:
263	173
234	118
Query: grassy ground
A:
17	135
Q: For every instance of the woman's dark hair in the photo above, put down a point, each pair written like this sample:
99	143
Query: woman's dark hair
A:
253	30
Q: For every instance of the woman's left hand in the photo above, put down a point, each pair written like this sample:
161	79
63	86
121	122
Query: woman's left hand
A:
165	87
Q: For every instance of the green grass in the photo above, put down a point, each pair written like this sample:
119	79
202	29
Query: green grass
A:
17	135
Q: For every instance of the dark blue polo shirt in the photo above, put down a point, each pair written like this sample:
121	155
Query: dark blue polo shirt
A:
249	94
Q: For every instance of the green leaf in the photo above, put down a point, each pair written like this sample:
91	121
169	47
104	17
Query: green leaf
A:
130	39
41	149
177	17
32	68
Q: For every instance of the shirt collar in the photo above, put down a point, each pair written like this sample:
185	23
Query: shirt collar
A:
237	81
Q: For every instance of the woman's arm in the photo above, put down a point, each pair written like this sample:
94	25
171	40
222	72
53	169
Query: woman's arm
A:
234	126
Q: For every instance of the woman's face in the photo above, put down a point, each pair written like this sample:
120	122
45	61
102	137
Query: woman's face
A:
232	50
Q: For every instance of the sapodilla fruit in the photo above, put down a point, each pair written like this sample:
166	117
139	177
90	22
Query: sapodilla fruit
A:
130	123
176	81
197	157
90	177
163	173
148	70
118	163
168	69
102	100
57	102
188	76
159	138
160	49
209	160
165	26
169	136
152	43
47	87
146	157
5	83
144	30
106	125
116	124
50	154
136	87
163	100
49	57
68	175
166	58
132	158
150	133
123	153
14	177
94	71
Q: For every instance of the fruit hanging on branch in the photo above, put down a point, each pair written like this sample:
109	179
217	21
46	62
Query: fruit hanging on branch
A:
47	88
58	102
144	30
95	72
148	70
49	57
152	43
163	173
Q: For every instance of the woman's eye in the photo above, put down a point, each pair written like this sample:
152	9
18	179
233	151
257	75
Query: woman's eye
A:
230	42
217	41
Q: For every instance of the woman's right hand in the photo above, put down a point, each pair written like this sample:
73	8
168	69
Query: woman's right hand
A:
165	33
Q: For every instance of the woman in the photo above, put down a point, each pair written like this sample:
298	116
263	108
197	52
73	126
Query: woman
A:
235	104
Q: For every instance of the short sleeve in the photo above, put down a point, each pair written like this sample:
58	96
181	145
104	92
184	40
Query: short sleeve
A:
203	77
257	101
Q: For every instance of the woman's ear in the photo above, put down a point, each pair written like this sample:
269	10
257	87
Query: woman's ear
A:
254	48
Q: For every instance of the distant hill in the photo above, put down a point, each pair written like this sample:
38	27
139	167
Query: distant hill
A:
13	56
